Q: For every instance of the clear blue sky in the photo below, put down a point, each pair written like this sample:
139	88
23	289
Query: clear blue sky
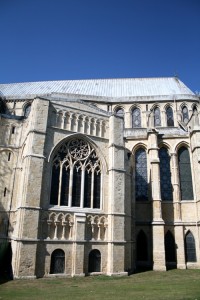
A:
81	39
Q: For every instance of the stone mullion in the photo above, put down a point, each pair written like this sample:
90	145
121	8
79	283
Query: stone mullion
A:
64	224
82	186
60	183
70	185
92	190
56	230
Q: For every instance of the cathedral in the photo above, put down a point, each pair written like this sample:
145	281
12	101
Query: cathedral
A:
99	177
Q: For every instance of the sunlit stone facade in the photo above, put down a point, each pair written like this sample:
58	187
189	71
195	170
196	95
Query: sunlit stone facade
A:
99	176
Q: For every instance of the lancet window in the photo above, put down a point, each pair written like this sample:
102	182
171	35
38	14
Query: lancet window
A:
157	118
165	175
141	184
76	176
185	175
190	248
136	118
170	116
185	114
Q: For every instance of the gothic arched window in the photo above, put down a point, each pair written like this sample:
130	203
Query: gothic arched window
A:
190	249
120	111
157	118
136	118
170	247
142	246
141	184
185	114
57	262
165	175
170	116
76	176
185	175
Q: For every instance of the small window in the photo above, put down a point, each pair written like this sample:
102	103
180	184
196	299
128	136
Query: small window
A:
157	118
170	117
13	130
136	118
5	191
9	156
185	115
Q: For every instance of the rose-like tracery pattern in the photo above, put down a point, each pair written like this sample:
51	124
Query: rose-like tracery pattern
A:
79	149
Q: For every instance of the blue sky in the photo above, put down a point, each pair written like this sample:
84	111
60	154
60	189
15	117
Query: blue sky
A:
81	39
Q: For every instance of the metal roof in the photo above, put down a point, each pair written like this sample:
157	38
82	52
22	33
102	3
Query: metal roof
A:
112	88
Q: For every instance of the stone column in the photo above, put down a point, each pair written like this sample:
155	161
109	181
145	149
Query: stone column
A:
158	223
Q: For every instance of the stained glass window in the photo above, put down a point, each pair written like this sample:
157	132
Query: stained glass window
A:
190	249
157	118
165	175
170	117
185	175
136	118
76	162
141	184
185	114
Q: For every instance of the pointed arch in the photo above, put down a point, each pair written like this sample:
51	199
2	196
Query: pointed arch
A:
190	248
76	175
119	111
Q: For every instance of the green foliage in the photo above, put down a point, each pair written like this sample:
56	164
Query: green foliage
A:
175	284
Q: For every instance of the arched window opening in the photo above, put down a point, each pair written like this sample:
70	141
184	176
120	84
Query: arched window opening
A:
157	118
76	166
170	248
190	249
120	112
142	247
94	264
185	175
170	116
141	184
57	262
194	109
185	114
27	110
136	118
165	175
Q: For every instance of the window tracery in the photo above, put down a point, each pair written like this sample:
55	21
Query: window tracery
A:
76	176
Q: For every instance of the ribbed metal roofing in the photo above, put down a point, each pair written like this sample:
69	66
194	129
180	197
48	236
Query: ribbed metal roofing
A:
128	87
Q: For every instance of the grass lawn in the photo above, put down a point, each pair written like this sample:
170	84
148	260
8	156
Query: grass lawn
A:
174	284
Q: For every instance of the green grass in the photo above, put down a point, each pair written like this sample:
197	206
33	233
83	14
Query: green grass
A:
174	284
